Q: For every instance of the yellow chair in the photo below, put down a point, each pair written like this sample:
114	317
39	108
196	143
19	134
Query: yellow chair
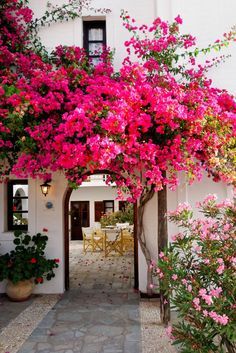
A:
113	241
98	240
128	240
87	233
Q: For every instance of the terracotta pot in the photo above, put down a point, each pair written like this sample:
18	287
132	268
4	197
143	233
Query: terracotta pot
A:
20	291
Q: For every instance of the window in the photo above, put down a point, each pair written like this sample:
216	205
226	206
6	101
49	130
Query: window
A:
94	39
122	205
18	204
108	206
101	207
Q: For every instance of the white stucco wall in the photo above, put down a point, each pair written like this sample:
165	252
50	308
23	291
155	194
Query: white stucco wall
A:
41	217
184	193
205	19
70	33
92	194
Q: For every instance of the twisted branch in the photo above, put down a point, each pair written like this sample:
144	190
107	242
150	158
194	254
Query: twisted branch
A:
145	197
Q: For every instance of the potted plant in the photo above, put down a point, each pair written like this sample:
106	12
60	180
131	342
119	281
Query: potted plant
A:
26	265
124	216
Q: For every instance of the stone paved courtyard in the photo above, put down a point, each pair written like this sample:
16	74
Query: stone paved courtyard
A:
101	313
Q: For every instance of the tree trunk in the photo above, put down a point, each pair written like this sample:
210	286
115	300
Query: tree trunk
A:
141	235
230	348
162	243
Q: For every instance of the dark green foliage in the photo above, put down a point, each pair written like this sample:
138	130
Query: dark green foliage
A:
27	260
126	216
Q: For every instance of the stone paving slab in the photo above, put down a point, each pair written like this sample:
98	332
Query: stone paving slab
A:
89	323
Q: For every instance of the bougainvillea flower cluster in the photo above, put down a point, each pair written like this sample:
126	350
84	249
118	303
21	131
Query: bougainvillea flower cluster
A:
152	119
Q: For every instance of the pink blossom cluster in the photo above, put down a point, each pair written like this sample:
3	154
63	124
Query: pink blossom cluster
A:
220	319
142	124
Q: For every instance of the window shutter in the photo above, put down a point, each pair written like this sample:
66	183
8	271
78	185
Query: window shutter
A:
99	210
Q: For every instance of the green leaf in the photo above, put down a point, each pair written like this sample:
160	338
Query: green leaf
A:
17	241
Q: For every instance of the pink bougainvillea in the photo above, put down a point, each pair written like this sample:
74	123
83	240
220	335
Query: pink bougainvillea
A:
152	117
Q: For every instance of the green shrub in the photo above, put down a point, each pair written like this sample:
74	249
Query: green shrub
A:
27	260
126	216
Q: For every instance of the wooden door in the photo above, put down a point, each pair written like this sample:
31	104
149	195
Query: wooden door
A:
79	218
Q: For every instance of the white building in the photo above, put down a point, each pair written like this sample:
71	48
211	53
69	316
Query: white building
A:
207	20
89	202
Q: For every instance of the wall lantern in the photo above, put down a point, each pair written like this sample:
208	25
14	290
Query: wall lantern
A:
45	187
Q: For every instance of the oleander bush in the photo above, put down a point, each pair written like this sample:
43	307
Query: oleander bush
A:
197	272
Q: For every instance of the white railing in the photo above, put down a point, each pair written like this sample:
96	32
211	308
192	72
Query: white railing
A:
96	177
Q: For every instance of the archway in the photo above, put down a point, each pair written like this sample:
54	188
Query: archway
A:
67	237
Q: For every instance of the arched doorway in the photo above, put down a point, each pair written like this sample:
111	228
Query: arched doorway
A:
67	237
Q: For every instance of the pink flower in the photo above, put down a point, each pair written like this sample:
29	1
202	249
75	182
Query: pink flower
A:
178	236
169	332
223	320
189	288
205	296
196	304
216	292
226	227
220	269
220	319
210	197
178	19
233	260
213	315
197	248
202	292
174	277
208	299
